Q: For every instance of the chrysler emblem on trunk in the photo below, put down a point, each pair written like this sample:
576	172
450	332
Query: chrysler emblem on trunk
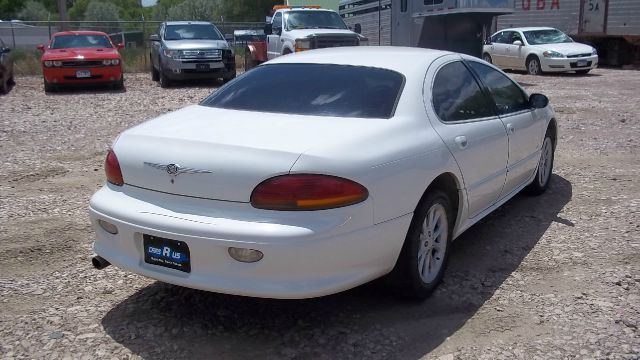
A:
175	169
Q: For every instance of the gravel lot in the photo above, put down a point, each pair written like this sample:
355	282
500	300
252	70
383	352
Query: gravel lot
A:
555	276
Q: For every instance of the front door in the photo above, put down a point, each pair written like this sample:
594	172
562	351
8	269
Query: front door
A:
462	116
524	131
274	45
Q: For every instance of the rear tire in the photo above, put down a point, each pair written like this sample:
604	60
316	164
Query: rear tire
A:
425	252
533	66
545	168
583	72
486	57
155	75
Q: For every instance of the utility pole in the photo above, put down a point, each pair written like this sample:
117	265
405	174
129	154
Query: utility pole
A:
62	10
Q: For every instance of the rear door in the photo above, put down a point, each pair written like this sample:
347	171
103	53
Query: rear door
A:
463	117
524	131
498	48
514	53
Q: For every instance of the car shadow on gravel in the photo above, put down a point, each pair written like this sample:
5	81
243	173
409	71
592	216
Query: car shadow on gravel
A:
165	321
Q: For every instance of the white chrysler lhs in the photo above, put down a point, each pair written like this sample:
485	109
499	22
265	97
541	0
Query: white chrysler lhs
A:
322	170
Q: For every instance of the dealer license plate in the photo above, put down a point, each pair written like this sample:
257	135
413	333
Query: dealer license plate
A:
83	73
166	252
202	67
582	62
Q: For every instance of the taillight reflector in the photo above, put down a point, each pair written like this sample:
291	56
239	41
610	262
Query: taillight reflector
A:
297	192
112	169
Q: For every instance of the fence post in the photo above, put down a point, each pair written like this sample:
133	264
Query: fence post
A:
13	36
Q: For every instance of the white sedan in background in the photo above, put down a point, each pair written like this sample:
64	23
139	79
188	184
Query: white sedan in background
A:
538	50
319	171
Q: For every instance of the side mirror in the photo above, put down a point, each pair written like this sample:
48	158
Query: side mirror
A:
538	101
120	45
357	28
40	47
154	37
5	50
268	30
517	42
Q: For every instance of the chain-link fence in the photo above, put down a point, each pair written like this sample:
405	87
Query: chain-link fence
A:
24	36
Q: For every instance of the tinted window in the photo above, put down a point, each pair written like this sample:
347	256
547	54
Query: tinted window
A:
506	94
192	31
80	41
313	89
277	21
457	96
500	38
432	2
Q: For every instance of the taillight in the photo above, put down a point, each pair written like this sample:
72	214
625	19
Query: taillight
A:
307	192
112	168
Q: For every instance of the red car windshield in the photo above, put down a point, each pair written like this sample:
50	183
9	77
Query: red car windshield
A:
80	41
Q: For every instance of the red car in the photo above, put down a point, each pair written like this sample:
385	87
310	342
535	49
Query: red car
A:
81	57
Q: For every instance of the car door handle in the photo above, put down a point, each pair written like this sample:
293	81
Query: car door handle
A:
510	129
281	40
461	141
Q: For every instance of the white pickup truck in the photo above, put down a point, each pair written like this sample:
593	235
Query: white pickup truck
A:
302	28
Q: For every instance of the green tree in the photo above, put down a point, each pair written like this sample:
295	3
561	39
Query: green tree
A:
103	11
206	10
77	10
248	10
34	11
9	9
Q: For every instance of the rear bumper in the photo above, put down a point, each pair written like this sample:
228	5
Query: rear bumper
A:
68	75
306	254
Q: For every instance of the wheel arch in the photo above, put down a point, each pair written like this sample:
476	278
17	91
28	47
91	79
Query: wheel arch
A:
552	129
450	185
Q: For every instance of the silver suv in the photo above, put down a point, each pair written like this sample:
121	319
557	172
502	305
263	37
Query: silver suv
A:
183	50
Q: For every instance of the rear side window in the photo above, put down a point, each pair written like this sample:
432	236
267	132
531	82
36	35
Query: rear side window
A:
457	96
313	89
508	96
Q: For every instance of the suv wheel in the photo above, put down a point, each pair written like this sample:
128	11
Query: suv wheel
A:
155	75
163	79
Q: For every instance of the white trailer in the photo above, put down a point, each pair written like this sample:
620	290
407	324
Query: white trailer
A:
455	25
612	26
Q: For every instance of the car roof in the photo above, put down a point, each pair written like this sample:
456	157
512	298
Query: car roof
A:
405	60
530	28
187	23
80	32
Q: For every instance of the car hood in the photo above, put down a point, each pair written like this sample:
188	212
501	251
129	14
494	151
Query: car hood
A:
80	53
196	44
566	48
225	154
303	33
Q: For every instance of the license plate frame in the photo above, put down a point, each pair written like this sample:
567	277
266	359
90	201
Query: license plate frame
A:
582	63
203	67
168	253
83	74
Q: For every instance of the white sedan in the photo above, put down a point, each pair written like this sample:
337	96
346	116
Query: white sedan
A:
538	50
320	171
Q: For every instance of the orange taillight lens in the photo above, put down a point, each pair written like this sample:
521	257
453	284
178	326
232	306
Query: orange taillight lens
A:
112	169
298	192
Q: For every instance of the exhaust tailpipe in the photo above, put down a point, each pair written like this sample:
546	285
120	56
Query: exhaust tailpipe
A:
99	262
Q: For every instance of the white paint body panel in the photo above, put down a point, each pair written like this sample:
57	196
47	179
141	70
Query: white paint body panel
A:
308	253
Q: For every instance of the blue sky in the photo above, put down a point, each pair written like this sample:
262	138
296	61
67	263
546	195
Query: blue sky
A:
148	2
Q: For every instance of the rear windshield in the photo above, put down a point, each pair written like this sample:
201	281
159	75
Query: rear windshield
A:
313	89
192	32
80	41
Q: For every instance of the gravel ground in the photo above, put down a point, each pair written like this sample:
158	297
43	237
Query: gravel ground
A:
555	276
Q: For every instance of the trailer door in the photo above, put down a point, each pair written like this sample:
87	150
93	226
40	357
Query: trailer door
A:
592	15
401	23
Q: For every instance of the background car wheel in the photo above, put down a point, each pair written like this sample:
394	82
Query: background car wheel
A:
533	66
229	78
163	79
4	86
155	75
49	87
545	168
249	63
120	84
486	57
582	72
424	254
